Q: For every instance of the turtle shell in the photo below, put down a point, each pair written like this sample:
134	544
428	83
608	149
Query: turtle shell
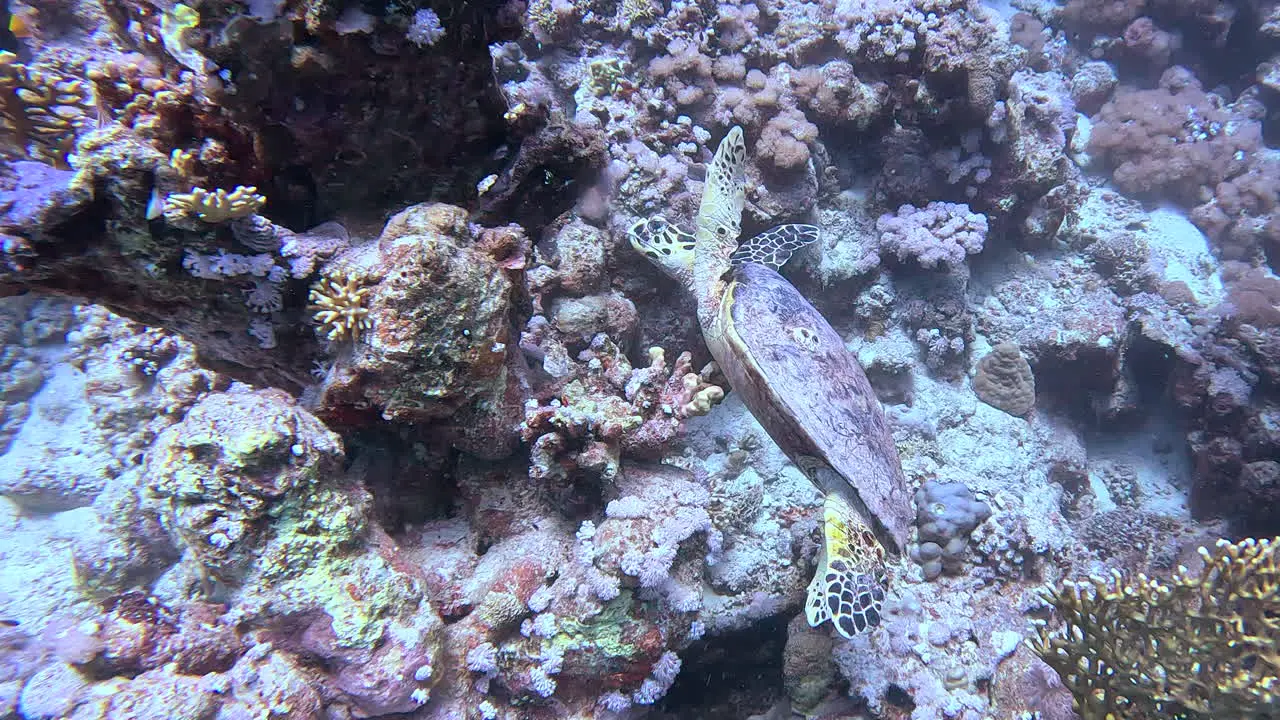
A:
812	396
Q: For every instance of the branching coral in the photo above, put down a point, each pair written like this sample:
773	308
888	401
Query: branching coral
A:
340	307
214	207
1199	646
613	407
41	112
176	117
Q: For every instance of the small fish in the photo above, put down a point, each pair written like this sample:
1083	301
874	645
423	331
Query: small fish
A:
20	23
9	623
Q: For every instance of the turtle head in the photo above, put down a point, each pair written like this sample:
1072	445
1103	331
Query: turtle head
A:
669	247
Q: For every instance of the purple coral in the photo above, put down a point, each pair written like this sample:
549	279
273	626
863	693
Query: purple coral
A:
940	232
425	30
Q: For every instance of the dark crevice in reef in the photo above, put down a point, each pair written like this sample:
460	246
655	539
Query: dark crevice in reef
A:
730	677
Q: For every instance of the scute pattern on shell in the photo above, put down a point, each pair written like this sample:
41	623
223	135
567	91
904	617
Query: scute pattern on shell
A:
814	398
849	587
775	246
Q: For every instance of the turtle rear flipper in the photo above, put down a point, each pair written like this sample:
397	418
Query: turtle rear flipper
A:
849	585
774	247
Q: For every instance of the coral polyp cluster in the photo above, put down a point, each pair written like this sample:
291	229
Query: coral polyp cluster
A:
217	206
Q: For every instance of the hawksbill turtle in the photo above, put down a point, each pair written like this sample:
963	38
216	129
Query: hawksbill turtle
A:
795	375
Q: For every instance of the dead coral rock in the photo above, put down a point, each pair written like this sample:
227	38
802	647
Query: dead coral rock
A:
1041	116
533	185
573	260
440	346
86	234
610	313
220	478
807	670
1004	380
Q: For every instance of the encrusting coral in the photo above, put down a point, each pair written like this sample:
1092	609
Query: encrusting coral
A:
1202	645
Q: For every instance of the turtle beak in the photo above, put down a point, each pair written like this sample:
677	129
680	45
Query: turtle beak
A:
634	235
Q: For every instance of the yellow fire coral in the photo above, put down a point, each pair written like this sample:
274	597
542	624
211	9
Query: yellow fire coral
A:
340	309
1198	647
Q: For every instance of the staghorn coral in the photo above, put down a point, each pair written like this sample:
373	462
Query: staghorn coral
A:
1201	645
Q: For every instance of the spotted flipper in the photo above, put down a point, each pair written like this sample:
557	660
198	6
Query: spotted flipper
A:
669	247
725	193
848	588
774	247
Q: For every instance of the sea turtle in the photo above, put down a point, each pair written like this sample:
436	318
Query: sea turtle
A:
794	373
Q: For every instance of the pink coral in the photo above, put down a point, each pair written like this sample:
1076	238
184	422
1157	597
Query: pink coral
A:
938	233
1175	141
784	142
1242	214
1145	39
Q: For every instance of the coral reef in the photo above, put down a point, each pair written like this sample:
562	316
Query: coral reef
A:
946	514
394	421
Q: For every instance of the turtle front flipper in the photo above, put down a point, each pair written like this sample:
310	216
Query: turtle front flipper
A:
849	585
774	247
724	194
